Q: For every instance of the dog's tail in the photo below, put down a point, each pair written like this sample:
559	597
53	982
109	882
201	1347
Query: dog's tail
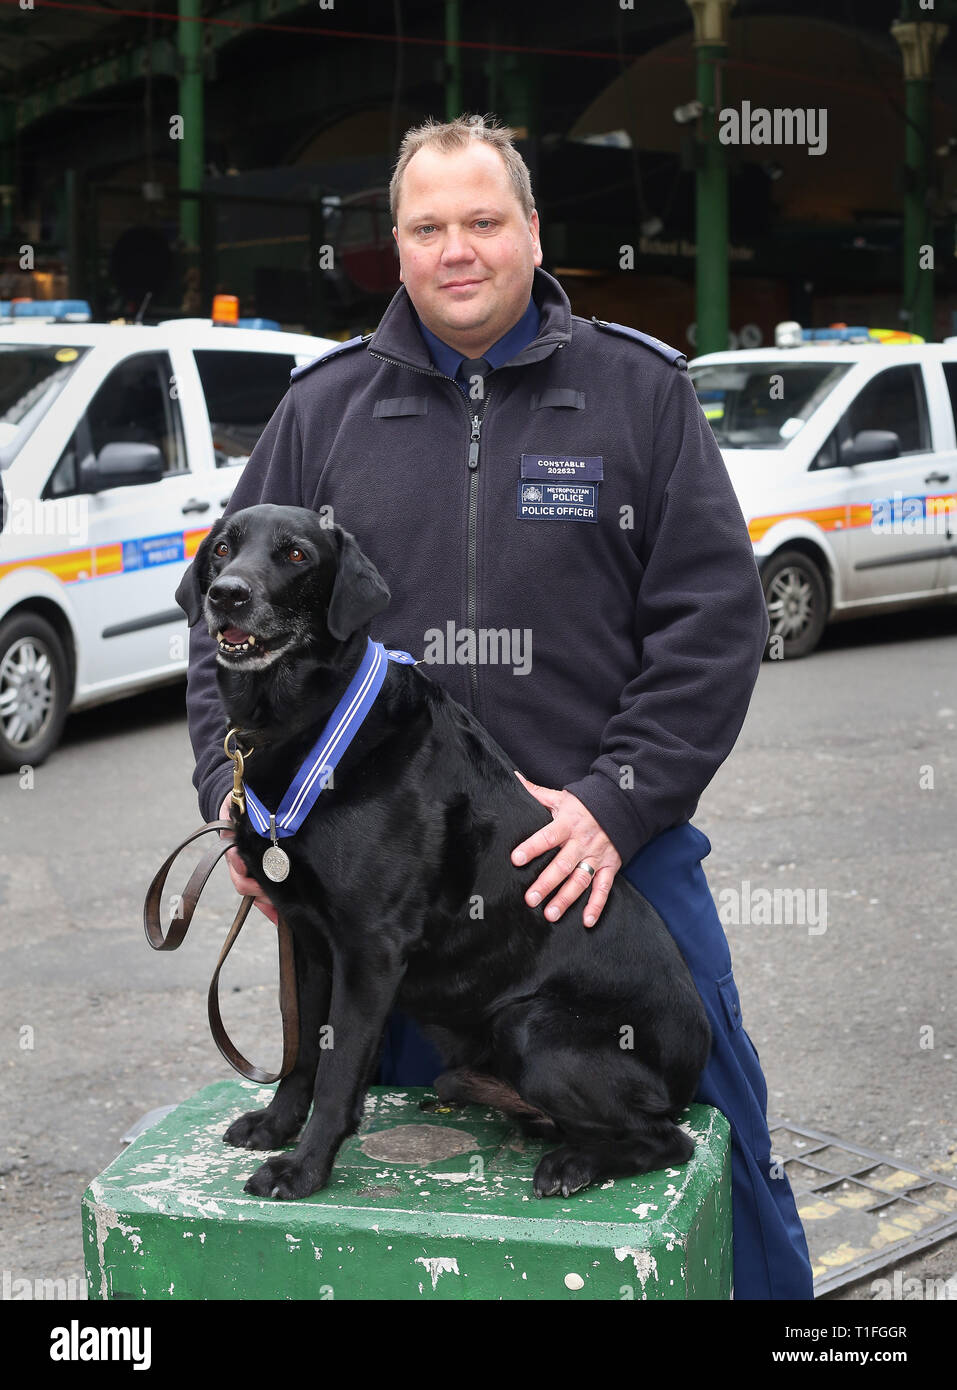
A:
463	1085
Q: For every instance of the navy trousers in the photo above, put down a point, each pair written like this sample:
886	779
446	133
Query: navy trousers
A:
770	1250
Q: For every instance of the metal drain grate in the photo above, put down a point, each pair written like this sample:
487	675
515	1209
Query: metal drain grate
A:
861	1210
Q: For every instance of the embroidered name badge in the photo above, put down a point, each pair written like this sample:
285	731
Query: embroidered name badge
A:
540	501
571	468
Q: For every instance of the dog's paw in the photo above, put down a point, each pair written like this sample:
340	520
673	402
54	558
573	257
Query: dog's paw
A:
259	1130
284	1178
565	1170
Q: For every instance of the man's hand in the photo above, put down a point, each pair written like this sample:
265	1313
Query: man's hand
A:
576	829
245	887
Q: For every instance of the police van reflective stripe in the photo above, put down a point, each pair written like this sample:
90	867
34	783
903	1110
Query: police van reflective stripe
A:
119	445
842	448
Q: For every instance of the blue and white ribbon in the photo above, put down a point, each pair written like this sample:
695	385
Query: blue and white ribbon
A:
340	730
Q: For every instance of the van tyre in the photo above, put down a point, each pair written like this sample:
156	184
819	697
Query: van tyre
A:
796	595
34	694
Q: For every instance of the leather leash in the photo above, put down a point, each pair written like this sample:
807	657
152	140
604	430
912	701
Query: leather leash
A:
176	933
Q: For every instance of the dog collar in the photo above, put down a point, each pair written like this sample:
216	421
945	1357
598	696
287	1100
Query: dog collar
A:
341	728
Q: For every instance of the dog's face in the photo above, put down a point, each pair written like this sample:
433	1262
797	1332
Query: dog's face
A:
273	582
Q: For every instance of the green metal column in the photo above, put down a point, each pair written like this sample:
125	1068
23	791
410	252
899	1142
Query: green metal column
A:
491	68
7	193
711	210
7	167
918	283
918	42
191	109
76	265
520	87
453	62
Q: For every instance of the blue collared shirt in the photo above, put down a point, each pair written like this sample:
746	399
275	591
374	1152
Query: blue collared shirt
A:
449	359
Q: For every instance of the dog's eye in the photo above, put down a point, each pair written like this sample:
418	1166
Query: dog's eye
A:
294	553
221	548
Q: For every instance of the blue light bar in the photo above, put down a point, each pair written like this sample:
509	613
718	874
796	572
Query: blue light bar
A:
835	335
259	323
59	310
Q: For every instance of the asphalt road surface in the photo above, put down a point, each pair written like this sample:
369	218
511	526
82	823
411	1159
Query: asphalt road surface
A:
844	783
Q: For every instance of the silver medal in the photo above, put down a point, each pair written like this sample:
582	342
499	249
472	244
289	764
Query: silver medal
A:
276	864
275	860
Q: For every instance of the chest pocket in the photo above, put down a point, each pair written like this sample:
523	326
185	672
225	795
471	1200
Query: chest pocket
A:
562	396
400	405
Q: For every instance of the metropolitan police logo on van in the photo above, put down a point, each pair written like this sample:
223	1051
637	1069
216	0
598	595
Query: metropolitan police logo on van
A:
153	550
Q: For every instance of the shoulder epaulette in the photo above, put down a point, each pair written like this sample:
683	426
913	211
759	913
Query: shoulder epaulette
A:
670	354
336	351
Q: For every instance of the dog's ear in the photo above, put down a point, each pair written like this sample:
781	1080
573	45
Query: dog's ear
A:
194	583
359	591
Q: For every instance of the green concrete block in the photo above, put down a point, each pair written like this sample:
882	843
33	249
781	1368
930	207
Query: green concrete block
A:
422	1204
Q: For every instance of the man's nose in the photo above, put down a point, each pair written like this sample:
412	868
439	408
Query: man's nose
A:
229	592
457	246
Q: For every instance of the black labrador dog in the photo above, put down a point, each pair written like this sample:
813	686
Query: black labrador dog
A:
594	1038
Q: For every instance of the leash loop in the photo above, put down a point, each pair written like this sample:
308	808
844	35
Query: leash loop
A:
175	934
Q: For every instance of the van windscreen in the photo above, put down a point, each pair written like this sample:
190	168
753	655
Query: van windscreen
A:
762	405
32	375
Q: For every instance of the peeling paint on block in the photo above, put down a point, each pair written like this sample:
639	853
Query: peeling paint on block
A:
443	1264
644	1262
169	1219
105	1221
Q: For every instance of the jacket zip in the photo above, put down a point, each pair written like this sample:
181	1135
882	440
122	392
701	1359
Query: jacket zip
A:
475	437
474	443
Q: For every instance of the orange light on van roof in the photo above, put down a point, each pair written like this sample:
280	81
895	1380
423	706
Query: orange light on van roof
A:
226	309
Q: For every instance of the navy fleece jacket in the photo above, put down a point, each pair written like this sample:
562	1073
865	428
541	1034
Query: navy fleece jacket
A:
645	626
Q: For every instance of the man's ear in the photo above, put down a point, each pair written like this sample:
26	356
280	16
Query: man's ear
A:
359	591
194	583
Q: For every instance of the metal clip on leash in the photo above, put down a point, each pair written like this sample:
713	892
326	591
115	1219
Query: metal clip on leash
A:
237	757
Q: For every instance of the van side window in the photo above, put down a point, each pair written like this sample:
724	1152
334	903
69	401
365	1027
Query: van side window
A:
62	481
829	454
242	391
950	376
135	404
892	400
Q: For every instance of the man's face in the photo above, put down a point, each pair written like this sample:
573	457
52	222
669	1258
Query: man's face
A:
467	254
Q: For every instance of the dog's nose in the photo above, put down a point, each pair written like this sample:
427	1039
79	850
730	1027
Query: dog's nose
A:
230	593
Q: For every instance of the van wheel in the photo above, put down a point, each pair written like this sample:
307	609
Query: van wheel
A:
34	697
796	596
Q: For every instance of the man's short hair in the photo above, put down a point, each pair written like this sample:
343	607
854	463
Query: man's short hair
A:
448	136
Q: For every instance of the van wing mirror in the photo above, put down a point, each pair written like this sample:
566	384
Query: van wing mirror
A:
123	464
872	446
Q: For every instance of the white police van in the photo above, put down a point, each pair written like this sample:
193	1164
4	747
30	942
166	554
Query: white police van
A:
841	447
119	445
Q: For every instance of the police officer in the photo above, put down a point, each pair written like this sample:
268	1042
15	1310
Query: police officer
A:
513	469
